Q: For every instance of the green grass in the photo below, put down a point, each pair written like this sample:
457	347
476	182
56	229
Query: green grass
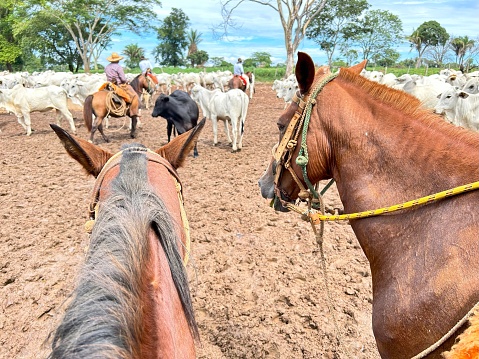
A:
268	75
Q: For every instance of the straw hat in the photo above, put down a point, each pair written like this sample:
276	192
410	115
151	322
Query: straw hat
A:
114	57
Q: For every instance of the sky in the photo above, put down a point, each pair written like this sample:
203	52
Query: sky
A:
260	29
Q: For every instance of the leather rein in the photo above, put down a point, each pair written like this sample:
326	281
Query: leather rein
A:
150	156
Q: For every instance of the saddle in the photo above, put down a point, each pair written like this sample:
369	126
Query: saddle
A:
117	100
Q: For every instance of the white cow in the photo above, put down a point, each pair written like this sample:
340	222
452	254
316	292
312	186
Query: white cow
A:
226	106
471	86
78	90
461	108
427	92
22	101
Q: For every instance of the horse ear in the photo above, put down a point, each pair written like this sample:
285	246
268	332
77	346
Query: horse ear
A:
91	157
304	72
178	149
359	67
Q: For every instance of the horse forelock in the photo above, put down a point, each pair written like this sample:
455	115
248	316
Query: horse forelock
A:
105	314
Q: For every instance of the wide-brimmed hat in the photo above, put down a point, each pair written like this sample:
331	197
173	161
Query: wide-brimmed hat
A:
114	57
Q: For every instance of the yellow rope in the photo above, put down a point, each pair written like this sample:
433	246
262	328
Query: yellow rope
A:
318	217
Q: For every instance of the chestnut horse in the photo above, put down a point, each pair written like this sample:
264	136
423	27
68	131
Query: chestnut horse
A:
132	298
236	83
99	104
382	149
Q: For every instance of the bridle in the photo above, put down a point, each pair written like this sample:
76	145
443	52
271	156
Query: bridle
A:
150	156
283	151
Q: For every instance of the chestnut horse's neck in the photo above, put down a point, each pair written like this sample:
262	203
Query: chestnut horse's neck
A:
383	149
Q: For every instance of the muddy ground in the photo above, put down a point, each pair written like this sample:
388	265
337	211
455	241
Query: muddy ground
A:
256	278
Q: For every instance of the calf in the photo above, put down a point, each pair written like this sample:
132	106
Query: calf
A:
22	101
180	112
461	108
230	106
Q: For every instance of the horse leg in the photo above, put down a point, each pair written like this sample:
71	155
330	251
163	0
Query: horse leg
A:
195	151
134	120
97	124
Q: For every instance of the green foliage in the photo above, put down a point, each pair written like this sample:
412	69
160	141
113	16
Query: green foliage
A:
460	45
429	34
10	50
44	34
220	62
327	29
258	59
197	58
374	33
172	38
133	53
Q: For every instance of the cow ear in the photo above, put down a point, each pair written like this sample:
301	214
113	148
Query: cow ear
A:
304	72
359	67
91	157
178	149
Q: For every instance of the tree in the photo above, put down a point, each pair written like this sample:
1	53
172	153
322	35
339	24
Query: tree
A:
197	58
430	33
375	33
460	45
92	23
440	53
194	38
219	62
172	38
327	30
45	35
295	17
10	50
259	59
133	53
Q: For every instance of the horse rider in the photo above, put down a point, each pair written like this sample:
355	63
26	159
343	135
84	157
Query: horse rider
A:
238	71
146	69
118	81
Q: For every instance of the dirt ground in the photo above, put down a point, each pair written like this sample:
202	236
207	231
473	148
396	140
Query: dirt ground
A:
255	276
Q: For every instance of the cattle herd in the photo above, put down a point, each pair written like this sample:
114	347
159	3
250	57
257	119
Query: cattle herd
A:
450	93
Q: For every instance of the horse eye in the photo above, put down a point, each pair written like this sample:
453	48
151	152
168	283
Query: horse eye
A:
281	127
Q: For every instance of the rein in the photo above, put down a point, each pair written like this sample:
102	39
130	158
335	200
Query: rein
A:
283	152
151	156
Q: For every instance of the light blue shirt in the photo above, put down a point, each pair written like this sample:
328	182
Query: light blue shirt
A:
238	69
145	65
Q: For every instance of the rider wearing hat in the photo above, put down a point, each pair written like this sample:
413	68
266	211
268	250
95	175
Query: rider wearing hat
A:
238	70
116	76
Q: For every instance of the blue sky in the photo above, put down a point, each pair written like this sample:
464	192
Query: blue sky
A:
261	29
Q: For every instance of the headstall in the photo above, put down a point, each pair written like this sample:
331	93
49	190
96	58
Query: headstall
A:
150	156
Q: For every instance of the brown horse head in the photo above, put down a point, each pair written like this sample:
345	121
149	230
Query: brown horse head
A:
133	280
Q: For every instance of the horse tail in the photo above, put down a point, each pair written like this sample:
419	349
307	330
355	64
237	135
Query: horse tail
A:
88	112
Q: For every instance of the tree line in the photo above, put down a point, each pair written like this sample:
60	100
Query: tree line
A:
39	34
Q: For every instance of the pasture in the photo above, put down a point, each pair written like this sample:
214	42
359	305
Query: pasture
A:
255	275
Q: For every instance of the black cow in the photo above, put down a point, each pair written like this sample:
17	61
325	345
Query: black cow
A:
180	112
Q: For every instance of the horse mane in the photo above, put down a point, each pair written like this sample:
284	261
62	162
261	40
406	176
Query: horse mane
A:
407	104
135	83
104	315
